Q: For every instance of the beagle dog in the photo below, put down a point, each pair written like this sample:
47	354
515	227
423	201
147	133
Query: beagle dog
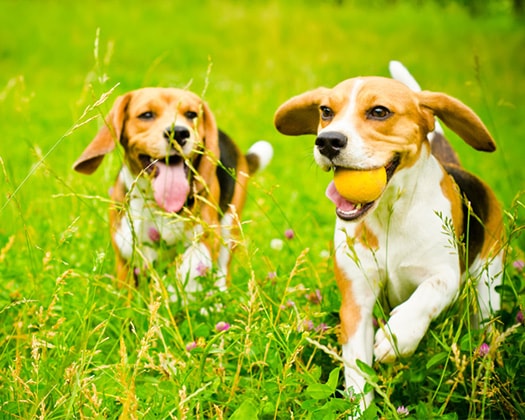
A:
182	184
433	224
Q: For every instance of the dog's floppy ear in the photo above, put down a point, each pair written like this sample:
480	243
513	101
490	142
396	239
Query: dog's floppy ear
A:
459	118
106	139
300	114
208	162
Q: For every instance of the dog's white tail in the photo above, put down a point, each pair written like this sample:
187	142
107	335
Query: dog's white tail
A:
259	155
399	72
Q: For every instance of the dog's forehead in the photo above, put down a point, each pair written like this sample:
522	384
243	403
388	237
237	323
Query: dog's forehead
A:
367	91
163	97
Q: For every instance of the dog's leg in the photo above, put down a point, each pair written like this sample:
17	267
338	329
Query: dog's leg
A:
487	267
116	213
410	320
488	275
195	262
122	269
229	234
357	332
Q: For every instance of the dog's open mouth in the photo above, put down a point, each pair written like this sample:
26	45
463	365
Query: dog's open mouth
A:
349	211
169	179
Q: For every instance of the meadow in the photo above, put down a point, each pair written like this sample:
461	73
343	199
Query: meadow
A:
72	347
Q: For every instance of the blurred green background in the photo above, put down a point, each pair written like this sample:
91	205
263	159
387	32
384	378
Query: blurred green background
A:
58	57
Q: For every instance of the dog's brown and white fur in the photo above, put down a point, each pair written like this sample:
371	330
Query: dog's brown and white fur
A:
182	182
396	248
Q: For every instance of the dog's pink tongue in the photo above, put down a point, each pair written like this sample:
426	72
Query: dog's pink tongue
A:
338	200
170	186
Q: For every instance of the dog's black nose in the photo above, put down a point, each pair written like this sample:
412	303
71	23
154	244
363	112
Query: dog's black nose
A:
178	133
330	143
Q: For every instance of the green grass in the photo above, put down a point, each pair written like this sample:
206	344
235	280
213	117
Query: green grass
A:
71	348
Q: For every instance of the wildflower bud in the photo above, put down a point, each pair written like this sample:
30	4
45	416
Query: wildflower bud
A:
322	327
315	297
154	234
308	325
324	254
222	326
191	346
483	350
402	411
519	265
202	269
276	244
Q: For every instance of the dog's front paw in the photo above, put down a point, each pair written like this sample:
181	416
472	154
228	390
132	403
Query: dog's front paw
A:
385	347
400	336
196	262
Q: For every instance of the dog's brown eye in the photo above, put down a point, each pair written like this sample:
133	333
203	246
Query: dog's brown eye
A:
148	115
378	113
190	115
326	113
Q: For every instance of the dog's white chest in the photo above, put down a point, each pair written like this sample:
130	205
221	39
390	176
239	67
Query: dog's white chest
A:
408	241
144	225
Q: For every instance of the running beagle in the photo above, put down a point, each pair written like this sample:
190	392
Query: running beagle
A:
183	183
397	248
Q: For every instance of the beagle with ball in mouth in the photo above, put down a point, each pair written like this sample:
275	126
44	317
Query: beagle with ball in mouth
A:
183	182
397	184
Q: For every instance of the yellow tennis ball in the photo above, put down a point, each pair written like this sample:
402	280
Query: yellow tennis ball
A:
360	186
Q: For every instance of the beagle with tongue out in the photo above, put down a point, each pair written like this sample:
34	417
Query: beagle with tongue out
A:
430	225
183	183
